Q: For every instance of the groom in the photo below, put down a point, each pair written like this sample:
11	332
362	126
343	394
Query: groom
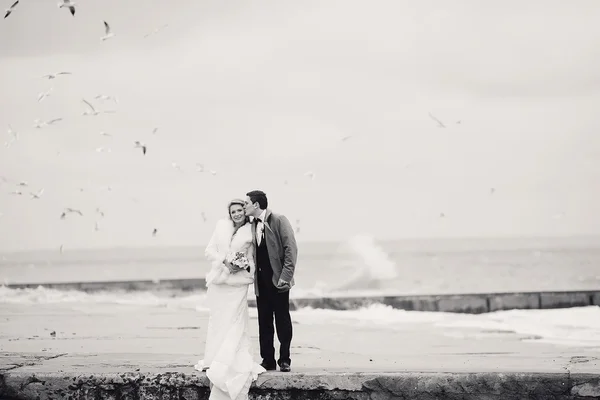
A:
275	259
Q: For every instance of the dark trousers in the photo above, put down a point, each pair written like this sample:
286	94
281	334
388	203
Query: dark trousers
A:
272	303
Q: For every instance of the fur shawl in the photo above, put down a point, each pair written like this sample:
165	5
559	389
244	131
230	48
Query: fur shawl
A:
223	242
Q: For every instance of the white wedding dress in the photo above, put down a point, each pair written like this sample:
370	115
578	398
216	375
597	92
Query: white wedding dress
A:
228	351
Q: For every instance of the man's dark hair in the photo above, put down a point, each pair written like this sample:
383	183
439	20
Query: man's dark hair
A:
260	197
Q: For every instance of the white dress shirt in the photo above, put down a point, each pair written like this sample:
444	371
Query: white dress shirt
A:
260	227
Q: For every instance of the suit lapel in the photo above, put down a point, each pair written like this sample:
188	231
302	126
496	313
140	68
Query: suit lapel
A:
267	226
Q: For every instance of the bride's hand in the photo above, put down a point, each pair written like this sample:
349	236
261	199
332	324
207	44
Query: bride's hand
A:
228	265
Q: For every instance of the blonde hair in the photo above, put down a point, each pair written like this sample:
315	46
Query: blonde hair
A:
239	202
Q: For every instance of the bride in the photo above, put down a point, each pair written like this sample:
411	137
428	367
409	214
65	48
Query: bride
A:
228	353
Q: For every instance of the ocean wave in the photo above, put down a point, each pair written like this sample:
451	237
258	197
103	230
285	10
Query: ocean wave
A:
42	295
578	326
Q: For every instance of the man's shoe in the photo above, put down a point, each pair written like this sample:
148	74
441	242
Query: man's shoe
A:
285	367
268	366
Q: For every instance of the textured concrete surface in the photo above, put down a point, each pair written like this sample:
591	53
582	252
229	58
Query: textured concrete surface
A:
112	351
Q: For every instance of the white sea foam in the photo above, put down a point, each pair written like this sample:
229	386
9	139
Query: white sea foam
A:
578	327
42	295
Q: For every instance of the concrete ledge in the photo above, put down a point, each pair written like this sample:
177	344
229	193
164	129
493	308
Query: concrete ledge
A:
459	303
473	303
184	285
298	386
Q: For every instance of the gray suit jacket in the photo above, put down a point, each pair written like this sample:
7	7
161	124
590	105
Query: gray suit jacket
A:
282	248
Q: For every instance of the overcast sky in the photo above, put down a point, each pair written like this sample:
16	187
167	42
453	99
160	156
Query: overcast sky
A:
263	92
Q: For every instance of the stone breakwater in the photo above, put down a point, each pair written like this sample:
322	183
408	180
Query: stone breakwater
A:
475	303
299	386
459	303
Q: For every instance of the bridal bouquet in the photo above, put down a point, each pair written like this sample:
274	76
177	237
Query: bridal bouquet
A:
239	260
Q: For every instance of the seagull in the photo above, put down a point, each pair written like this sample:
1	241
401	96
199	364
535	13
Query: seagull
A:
492	190
37	195
310	174
213	172
17	192
96	226
154	131
70	210
93	110
15	137
176	166
105	134
154	232
106	97
10	10
140	145
99	211
43	95
12	132
53	76
108	34
204	219
60	249
441	125
199	167
156	30
68	3
23	183
345	138
40	124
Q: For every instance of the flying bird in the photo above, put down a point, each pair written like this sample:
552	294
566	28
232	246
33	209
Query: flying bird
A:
92	110
105	134
156	30
154	232
140	145
39	124
43	95
69	210
440	124
10	10
154	131
107	32
310	174
37	195
14	134
53	76
107	97
69	4
199	167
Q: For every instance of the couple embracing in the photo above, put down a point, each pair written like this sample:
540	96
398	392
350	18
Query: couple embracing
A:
253	246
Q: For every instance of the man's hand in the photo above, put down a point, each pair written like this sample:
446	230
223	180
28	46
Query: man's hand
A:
281	284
